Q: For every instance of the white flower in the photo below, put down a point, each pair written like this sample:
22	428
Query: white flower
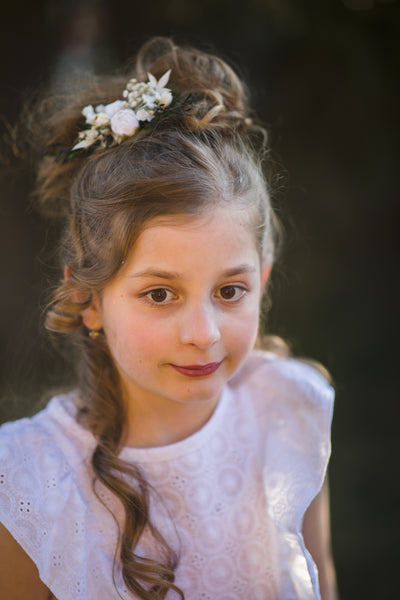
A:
131	83
88	113
144	115
124	123
90	134
161	83
100	120
114	107
86	139
133	99
165	99
149	100
120	119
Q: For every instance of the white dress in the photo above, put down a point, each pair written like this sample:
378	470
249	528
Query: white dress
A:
230	498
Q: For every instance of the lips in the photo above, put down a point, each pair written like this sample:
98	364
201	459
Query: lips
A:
197	370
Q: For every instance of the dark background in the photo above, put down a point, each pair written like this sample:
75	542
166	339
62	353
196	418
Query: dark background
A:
324	77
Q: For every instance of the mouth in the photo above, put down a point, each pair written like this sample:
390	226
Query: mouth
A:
197	370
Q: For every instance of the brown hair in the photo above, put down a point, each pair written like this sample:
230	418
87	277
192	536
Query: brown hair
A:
200	158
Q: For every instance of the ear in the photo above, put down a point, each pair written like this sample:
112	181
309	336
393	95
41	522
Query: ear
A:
91	316
265	274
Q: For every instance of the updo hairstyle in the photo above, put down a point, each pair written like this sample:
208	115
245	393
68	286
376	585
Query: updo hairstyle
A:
210	155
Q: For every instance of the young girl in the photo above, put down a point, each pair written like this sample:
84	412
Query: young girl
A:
186	464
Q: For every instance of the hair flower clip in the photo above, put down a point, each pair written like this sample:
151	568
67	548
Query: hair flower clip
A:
110	124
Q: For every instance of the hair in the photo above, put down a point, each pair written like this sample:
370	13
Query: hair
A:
208	156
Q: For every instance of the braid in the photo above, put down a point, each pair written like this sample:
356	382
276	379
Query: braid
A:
101	389
208	156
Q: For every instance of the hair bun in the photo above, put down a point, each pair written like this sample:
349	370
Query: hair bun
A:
219	97
211	99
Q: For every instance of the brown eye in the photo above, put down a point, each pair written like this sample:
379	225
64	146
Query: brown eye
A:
231	292
159	295
228	292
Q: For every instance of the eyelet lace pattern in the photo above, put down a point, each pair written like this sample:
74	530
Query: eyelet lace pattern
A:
230	498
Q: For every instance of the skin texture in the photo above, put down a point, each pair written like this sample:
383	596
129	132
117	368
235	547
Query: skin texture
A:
188	295
317	537
19	577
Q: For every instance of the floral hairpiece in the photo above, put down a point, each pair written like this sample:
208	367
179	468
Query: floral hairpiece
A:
112	123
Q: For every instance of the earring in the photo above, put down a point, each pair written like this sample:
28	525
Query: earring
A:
93	334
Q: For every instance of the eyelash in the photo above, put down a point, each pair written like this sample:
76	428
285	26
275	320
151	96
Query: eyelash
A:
238	288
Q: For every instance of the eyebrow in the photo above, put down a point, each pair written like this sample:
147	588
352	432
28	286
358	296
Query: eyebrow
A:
160	274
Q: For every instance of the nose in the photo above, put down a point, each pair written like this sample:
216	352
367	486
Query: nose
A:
200	327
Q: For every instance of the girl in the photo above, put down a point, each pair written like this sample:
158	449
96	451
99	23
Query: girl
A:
186	464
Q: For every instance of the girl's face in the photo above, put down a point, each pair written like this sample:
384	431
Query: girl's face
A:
182	313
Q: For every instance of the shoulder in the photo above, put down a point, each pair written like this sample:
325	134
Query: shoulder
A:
41	453
268	378
53	427
26	439
45	483
38	450
292	407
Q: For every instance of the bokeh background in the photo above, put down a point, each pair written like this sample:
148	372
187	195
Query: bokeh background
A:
324	77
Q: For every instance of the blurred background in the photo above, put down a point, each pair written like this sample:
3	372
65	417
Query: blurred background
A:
324	77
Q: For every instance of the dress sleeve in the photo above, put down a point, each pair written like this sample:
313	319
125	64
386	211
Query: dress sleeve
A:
40	507
48	504
294	406
297	451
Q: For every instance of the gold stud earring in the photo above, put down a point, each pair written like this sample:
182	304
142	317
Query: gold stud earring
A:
93	334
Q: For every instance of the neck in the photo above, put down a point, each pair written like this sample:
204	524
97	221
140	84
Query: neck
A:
153	425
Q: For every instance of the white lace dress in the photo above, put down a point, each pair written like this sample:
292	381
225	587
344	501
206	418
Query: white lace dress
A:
231	497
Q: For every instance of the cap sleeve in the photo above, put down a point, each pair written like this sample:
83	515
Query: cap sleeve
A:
294	405
41	503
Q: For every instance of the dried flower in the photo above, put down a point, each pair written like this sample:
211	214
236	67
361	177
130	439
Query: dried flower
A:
110	124
124	123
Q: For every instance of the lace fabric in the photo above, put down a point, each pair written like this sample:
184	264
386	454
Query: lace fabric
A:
230	498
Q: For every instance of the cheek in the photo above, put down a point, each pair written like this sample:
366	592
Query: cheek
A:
242	329
140	339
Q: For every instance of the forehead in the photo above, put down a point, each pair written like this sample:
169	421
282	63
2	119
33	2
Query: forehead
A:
223	235
218	222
